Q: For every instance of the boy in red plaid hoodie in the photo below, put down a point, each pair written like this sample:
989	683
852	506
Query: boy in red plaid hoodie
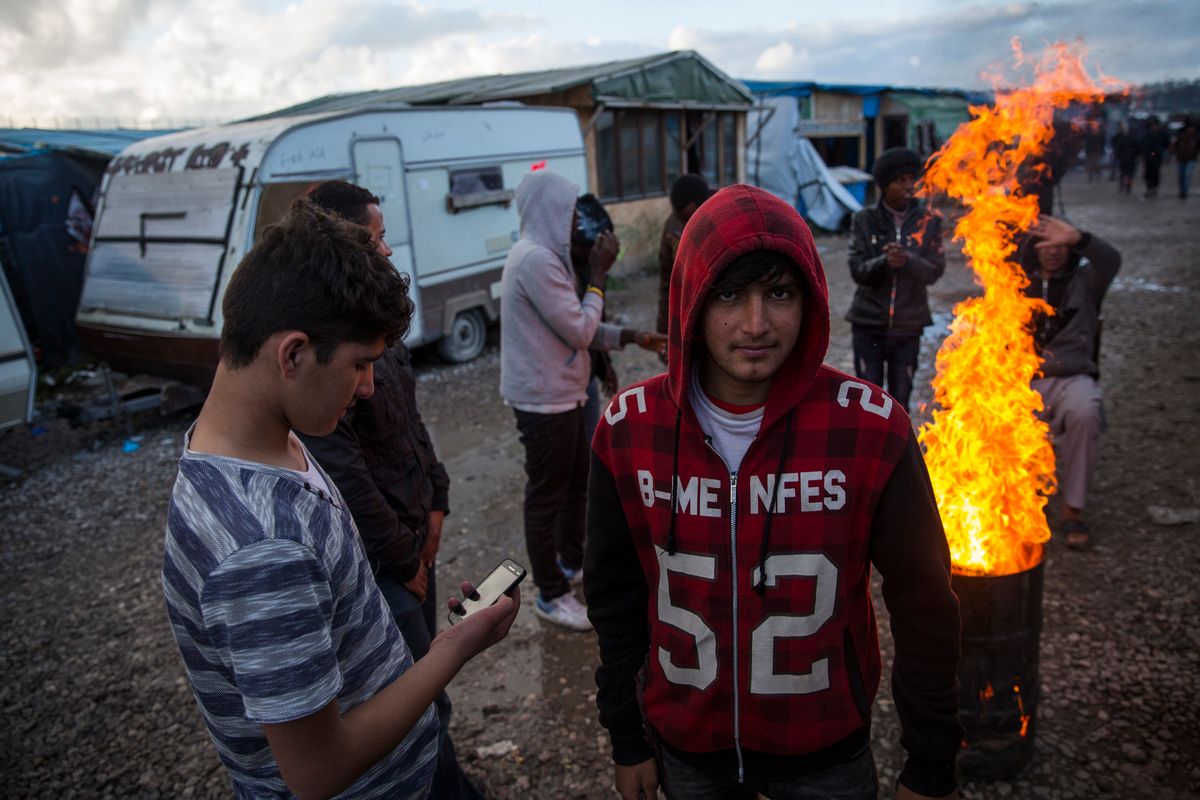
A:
736	505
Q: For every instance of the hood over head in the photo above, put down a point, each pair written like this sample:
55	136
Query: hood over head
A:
546	203
735	221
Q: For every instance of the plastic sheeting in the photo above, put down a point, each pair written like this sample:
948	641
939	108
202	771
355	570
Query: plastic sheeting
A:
788	166
45	221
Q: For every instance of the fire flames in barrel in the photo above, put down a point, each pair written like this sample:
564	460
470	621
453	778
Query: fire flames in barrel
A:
990	458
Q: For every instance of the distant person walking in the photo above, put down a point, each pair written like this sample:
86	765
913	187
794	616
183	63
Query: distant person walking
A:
1185	148
1154	147
895	254
1125	153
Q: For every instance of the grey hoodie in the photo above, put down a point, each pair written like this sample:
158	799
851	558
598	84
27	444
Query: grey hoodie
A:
546	330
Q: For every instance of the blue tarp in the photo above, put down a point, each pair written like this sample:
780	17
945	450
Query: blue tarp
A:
104	143
48	185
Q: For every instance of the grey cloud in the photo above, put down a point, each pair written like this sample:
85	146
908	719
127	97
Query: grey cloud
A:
48	36
1133	41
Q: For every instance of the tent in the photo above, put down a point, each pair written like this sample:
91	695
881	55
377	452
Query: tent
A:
48	185
786	164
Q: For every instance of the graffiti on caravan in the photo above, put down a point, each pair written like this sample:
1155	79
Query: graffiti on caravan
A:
200	157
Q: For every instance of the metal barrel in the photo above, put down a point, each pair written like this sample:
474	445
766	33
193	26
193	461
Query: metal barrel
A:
998	671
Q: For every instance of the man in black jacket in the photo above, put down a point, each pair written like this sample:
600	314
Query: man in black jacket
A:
895	254
382	460
1071	270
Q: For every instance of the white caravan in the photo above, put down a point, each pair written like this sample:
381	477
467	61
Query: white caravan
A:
178	212
18	370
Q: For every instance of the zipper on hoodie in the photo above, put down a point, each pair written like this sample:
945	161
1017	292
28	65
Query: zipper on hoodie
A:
892	299
737	711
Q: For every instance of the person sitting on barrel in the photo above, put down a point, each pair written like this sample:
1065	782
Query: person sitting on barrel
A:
1071	270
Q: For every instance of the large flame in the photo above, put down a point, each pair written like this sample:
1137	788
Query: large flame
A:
990	458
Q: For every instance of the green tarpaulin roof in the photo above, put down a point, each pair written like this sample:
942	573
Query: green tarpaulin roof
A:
946	111
682	77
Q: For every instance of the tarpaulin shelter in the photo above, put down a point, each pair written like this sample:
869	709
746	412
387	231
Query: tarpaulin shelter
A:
787	165
851	124
48	183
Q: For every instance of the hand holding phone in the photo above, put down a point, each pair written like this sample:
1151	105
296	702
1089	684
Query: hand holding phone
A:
501	581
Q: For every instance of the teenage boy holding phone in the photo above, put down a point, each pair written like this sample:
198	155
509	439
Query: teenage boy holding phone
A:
306	685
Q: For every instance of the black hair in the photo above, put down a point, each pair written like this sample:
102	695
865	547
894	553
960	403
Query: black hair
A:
753	267
344	199
317	273
689	188
895	162
591	220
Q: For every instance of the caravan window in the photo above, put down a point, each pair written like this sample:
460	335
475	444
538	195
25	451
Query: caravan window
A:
477	186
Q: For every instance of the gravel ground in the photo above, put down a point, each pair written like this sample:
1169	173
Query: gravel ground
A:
95	704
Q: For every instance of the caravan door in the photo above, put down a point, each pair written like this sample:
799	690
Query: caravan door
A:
379	168
160	244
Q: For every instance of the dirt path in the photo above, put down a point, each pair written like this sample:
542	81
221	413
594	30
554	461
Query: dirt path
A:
94	702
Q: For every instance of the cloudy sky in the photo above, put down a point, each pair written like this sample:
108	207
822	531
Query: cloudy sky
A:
94	62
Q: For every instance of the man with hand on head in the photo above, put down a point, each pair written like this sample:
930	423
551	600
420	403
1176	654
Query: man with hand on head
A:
305	683
382	460
1071	270
736	506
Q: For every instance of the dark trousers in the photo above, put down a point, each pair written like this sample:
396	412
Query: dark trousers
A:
556	469
854	780
417	622
1153	169
873	350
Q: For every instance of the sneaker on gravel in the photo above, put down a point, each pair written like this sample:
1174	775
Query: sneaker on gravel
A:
565	611
573	576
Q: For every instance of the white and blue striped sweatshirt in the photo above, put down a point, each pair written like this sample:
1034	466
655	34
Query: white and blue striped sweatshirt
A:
276	613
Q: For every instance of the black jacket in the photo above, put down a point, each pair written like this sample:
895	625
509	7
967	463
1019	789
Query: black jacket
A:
382	460
1066	339
888	300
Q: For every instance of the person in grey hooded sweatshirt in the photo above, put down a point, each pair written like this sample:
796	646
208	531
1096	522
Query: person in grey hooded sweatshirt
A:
545	335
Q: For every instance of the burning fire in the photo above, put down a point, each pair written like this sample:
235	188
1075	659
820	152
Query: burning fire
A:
990	458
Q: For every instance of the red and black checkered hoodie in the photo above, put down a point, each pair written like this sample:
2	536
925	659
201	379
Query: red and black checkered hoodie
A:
743	600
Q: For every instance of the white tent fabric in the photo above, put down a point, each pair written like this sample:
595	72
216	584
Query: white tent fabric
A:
788	166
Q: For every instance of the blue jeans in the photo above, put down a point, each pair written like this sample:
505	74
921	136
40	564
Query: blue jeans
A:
854	780
873	350
1185	176
417	622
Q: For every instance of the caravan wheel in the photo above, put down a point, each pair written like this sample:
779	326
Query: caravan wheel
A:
467	337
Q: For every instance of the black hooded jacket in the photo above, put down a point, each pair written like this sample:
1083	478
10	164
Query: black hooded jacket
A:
894	301
381	459
1066	339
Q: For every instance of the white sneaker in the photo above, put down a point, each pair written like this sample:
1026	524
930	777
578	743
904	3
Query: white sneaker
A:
565	611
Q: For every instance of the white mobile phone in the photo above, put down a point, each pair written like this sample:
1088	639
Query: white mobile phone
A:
499	582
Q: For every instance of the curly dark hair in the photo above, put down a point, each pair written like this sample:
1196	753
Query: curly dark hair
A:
313	272
344	199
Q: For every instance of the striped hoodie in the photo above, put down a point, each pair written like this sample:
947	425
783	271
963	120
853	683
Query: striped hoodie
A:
276	613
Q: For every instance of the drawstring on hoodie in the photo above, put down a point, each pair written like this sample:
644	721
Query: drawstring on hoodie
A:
674	482
760	585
